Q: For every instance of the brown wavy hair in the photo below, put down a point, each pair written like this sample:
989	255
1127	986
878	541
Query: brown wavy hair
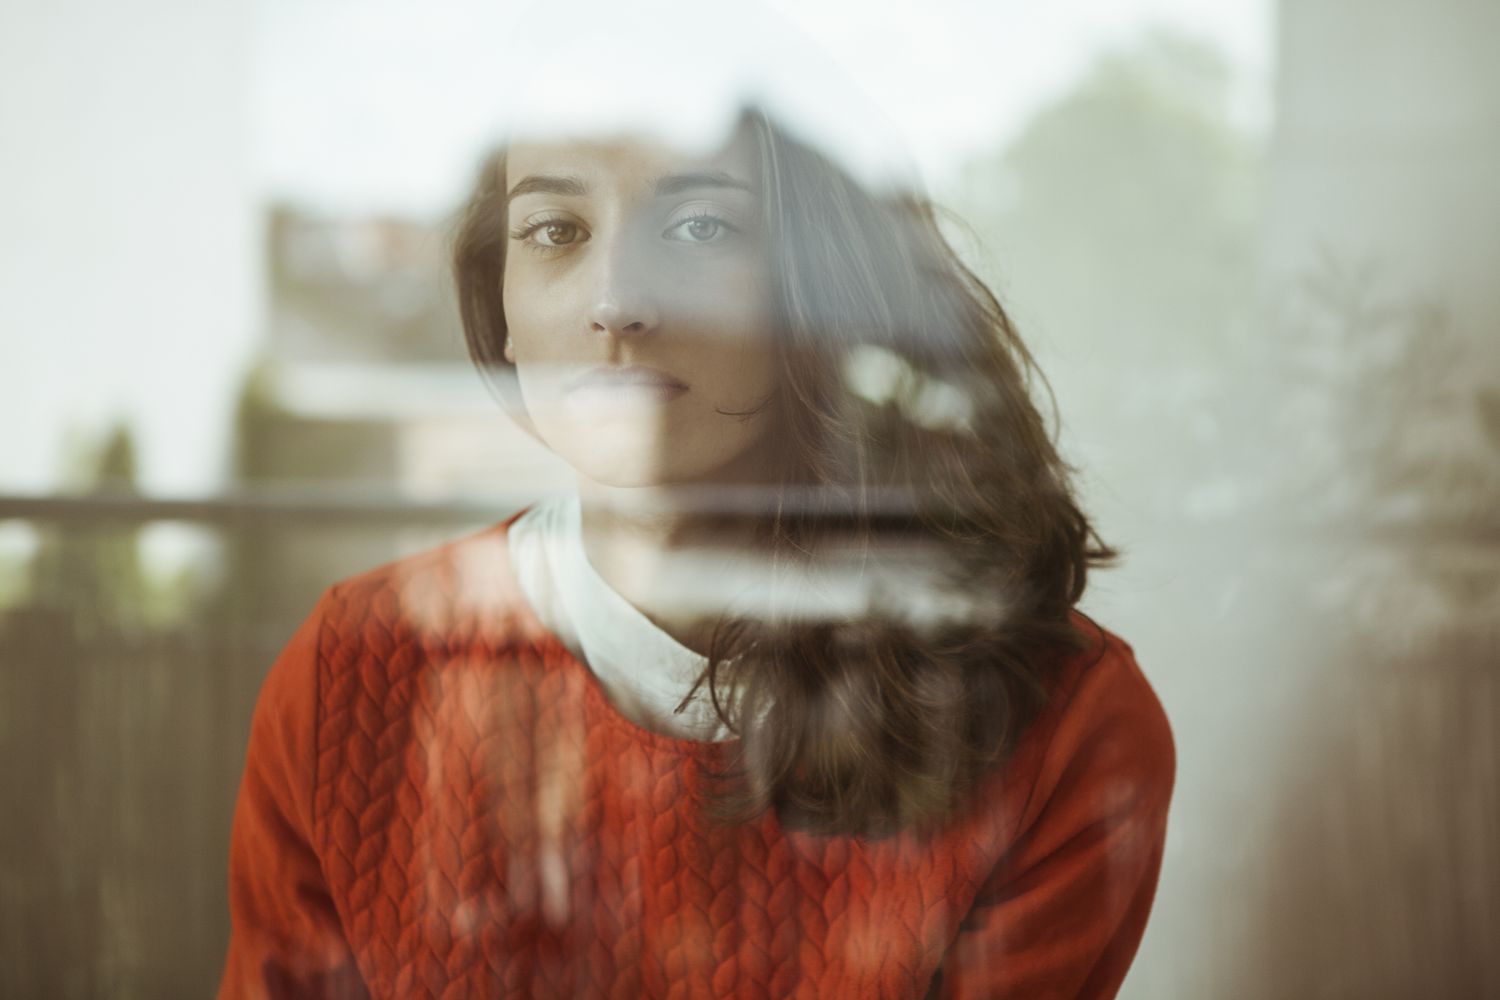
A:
906	419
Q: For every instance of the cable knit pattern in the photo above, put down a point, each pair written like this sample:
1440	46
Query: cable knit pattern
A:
440	801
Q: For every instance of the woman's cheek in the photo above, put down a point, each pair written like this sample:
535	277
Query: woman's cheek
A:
534	322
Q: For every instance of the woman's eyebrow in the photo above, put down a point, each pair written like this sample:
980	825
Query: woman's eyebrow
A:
559	184
678	183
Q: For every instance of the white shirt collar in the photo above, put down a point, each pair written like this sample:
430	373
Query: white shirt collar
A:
643	668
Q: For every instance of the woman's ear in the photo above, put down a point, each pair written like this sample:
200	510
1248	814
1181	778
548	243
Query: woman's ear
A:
508	351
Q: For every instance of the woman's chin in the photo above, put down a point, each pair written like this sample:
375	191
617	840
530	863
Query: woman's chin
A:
622	457
626	478
654	472
627	468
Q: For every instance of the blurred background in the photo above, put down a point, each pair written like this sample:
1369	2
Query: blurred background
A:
1255	246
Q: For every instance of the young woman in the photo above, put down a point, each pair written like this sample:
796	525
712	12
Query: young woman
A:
790	698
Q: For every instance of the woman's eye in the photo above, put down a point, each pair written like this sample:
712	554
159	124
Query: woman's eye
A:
549	234
555	234
700	229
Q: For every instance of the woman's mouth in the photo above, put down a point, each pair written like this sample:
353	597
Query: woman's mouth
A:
629	374
627	382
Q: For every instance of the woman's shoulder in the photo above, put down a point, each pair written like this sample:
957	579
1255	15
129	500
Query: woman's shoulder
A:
371	635
1105	680
1104	735
459	592
463	588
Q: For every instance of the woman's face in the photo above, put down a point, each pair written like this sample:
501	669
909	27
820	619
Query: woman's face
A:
637	298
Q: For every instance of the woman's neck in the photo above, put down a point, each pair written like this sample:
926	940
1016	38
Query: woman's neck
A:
677	562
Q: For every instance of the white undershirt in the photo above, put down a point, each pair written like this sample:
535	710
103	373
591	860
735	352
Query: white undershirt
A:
645	671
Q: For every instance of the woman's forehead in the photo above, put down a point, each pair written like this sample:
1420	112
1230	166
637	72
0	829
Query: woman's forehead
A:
629	160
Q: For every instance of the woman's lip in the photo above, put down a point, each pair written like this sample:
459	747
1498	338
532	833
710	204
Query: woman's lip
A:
617	393
607	375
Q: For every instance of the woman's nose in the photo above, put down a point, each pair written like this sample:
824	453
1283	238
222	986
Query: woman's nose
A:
623	299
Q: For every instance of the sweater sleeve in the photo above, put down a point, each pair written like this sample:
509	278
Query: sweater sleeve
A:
286	939
1064	911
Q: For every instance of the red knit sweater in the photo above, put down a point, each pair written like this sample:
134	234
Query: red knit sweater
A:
440	801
